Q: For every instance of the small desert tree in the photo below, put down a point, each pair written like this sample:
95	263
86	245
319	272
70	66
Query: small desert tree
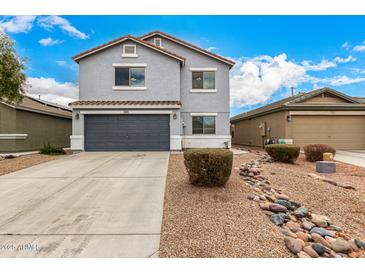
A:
12	77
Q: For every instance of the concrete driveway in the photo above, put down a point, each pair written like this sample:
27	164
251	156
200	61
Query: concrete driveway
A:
85	205
354	157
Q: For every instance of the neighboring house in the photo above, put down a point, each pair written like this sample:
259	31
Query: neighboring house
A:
155	92
321	116
30	124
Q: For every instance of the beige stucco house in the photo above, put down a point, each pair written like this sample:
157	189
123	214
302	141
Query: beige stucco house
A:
320	116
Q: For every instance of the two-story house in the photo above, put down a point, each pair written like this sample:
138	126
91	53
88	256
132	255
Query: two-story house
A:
154	92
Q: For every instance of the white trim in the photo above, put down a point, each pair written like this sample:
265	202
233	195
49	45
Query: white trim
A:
127	107
175	142
124	54
128	88
203	91
129	65
203	114
154	42
207	136
203	69
77	142
186	45
13	136
324	112
206	141
126	112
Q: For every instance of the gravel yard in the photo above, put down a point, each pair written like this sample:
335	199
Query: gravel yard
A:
215	222
222	222
21	162
346	208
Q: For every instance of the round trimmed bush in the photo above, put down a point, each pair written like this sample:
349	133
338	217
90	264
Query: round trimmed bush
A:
314	152
209	167
283	153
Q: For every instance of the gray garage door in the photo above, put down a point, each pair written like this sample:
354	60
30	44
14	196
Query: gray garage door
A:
127	132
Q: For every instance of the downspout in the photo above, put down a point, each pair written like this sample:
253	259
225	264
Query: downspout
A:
182	137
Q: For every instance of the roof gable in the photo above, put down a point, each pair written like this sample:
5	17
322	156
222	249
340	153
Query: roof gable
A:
122	39
310	95
188	45
297	100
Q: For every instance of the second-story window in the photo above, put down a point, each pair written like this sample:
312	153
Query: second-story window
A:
129	51
203	80
130	77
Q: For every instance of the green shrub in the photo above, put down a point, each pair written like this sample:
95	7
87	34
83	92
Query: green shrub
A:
51	150
314	152
208	167
283	153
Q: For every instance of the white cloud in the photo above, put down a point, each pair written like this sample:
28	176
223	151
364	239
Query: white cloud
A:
345	60
211	48
17	24
65	64
51	90
61	63
323	65
255	80
359	48
326	64
49	22
340	80
358	70
47	42
346	45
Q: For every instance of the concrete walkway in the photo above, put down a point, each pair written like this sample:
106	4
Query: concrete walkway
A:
85	205
354	157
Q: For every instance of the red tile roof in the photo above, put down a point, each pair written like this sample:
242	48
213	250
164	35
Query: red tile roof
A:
124	103
83	54
216	56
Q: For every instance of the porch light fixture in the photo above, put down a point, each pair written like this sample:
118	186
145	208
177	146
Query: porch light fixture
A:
174	116
288	118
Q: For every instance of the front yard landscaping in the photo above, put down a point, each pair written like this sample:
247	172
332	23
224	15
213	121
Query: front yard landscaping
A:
223	222
21	162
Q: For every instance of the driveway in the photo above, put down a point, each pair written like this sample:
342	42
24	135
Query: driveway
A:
92	204
354	157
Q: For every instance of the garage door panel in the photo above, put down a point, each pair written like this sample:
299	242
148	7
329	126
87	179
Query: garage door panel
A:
127	132
341	132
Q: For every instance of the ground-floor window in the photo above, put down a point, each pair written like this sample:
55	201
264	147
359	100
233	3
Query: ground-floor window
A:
203	125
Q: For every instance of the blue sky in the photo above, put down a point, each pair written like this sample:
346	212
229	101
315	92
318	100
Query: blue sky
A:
272	53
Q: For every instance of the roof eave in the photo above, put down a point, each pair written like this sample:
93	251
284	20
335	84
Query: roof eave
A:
327	107
39	111
314	93
80	56
281	108
215	56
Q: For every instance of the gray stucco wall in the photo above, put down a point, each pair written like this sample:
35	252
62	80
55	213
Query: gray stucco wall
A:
202	102
97	75
165	79
220	123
